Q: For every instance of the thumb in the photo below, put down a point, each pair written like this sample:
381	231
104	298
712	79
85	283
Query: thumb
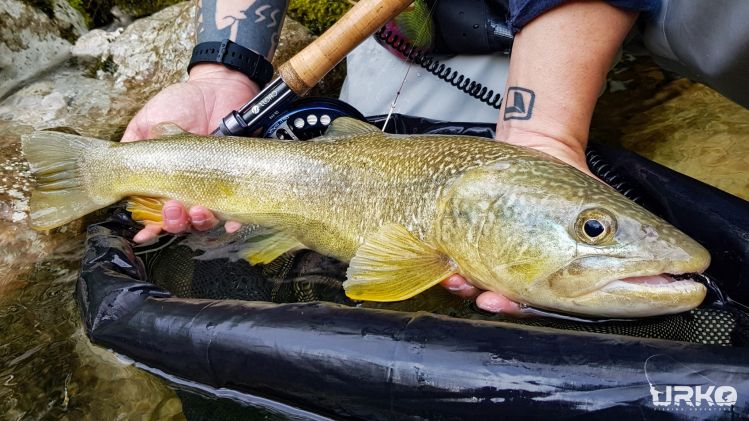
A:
132	132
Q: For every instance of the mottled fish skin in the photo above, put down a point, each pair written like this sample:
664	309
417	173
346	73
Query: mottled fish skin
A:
507	218
331	194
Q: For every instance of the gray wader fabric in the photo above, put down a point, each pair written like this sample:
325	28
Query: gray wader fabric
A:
707	41
375	76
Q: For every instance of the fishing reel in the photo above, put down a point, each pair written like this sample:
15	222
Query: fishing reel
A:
308	118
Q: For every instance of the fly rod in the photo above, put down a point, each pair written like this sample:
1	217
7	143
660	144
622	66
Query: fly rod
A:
303	71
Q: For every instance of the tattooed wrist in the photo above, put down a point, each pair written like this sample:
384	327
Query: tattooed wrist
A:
253	24
519	103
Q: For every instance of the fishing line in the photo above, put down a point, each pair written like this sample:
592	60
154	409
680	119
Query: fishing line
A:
693	371
408	69
397	94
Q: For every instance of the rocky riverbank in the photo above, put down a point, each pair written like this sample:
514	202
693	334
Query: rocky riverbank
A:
57	74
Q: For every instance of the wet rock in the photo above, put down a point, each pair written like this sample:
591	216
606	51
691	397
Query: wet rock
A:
139	64
133	66
153	52
33	41
96	44
68	20
68	98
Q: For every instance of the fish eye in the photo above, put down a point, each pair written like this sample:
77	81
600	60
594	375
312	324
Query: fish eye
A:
595	226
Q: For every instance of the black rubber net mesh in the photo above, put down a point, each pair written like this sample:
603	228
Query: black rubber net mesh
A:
185	271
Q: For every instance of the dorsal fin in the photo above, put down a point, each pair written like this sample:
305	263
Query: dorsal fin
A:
347	126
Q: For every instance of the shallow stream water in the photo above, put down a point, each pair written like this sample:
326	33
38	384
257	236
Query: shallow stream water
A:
49	369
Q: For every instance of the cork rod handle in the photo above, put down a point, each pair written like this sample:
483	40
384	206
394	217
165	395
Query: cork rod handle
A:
307	67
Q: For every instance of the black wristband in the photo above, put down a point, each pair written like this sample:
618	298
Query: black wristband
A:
235	57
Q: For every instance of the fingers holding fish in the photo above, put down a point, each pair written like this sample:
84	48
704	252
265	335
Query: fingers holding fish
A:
232	226
176	218
148	233
485	300
202	218
497	303
458	285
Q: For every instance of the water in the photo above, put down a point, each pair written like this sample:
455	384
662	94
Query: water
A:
49	369
683	125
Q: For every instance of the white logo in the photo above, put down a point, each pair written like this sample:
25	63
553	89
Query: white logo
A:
702	396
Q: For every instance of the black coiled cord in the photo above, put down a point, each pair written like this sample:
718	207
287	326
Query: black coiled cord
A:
435	67
603	170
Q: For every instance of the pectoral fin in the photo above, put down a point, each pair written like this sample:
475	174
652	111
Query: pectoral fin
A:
394	265
146	210
264	247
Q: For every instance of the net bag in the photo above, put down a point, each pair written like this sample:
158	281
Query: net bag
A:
285	331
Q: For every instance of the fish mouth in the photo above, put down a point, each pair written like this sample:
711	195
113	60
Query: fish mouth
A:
664	287
643	296
658	280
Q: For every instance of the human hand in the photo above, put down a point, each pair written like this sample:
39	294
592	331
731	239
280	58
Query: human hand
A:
486	300
197	106
568	150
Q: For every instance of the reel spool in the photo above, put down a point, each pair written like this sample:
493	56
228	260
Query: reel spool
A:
308	118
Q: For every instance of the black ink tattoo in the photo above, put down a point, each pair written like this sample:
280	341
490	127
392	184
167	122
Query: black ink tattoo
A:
254	24
519	104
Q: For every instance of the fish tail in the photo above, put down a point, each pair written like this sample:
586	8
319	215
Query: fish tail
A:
55	160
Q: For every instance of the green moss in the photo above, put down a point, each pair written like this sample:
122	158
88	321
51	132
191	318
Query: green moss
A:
81	8
318	15
143	8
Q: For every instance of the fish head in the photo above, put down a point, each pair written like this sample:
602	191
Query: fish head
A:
545	234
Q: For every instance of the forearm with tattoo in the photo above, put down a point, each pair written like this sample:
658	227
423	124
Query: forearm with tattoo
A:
253	24
558	65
